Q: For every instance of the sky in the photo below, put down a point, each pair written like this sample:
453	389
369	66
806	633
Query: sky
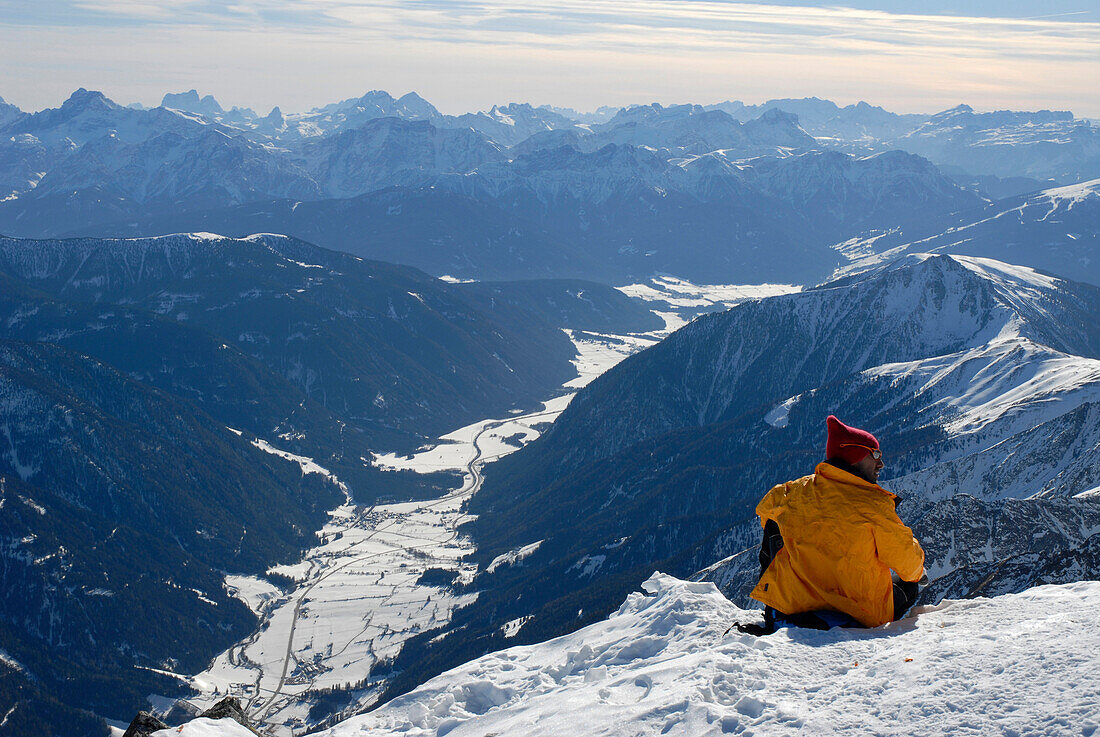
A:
465	55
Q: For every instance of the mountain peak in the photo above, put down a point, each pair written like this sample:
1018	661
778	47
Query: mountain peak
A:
84	99
655	112
958	110
777	127
417	103
989	270
1019	277
986	268
776	116
374	96
1019	301
8	112
418	106
191	102
514	107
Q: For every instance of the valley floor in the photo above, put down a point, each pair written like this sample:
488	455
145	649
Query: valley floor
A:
358	596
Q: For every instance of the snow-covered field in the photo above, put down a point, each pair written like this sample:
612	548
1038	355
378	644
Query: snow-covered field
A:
357	598
683	294
676	301
358	601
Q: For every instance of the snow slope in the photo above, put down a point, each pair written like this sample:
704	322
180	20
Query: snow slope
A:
204	727
1020	664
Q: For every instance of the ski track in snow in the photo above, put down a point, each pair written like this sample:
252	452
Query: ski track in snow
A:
357	600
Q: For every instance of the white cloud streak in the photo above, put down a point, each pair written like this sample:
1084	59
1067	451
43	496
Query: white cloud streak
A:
165	10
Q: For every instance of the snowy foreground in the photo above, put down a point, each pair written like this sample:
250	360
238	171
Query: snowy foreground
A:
1020	664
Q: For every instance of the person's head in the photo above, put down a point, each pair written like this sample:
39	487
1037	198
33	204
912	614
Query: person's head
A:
857	449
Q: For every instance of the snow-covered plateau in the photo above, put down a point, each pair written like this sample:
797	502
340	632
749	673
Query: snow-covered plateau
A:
668	662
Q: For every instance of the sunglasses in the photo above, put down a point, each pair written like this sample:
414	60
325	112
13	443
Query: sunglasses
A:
875	452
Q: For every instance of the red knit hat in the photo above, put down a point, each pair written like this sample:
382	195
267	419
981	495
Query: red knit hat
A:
848	444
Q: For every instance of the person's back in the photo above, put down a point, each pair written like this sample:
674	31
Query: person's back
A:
839	538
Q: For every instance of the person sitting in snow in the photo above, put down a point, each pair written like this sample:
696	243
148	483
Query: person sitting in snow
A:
831	540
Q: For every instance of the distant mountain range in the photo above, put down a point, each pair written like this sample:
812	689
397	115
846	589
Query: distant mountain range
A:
725	190
617	214
1045	145
853	124
137	381
980	379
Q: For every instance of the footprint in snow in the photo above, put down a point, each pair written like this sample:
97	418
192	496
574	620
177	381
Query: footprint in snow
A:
627	692
750	706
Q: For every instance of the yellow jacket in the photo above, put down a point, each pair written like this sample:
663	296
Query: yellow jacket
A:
841	538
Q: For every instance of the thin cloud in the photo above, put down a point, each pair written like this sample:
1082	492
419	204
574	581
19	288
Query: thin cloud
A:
721	26
551	49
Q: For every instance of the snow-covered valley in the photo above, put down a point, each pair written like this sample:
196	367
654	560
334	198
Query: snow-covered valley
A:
355	602
368	585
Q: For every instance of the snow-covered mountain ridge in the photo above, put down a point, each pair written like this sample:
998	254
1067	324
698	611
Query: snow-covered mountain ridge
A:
1055	230
935	306
1044	144
619	213
666	662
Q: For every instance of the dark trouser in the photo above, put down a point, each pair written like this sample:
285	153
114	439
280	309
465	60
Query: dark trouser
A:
774	618
905	593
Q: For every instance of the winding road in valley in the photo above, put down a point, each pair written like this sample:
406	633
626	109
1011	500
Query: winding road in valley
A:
328	632
260	708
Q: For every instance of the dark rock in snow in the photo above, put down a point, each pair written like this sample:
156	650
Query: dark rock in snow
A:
144	724
229	708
